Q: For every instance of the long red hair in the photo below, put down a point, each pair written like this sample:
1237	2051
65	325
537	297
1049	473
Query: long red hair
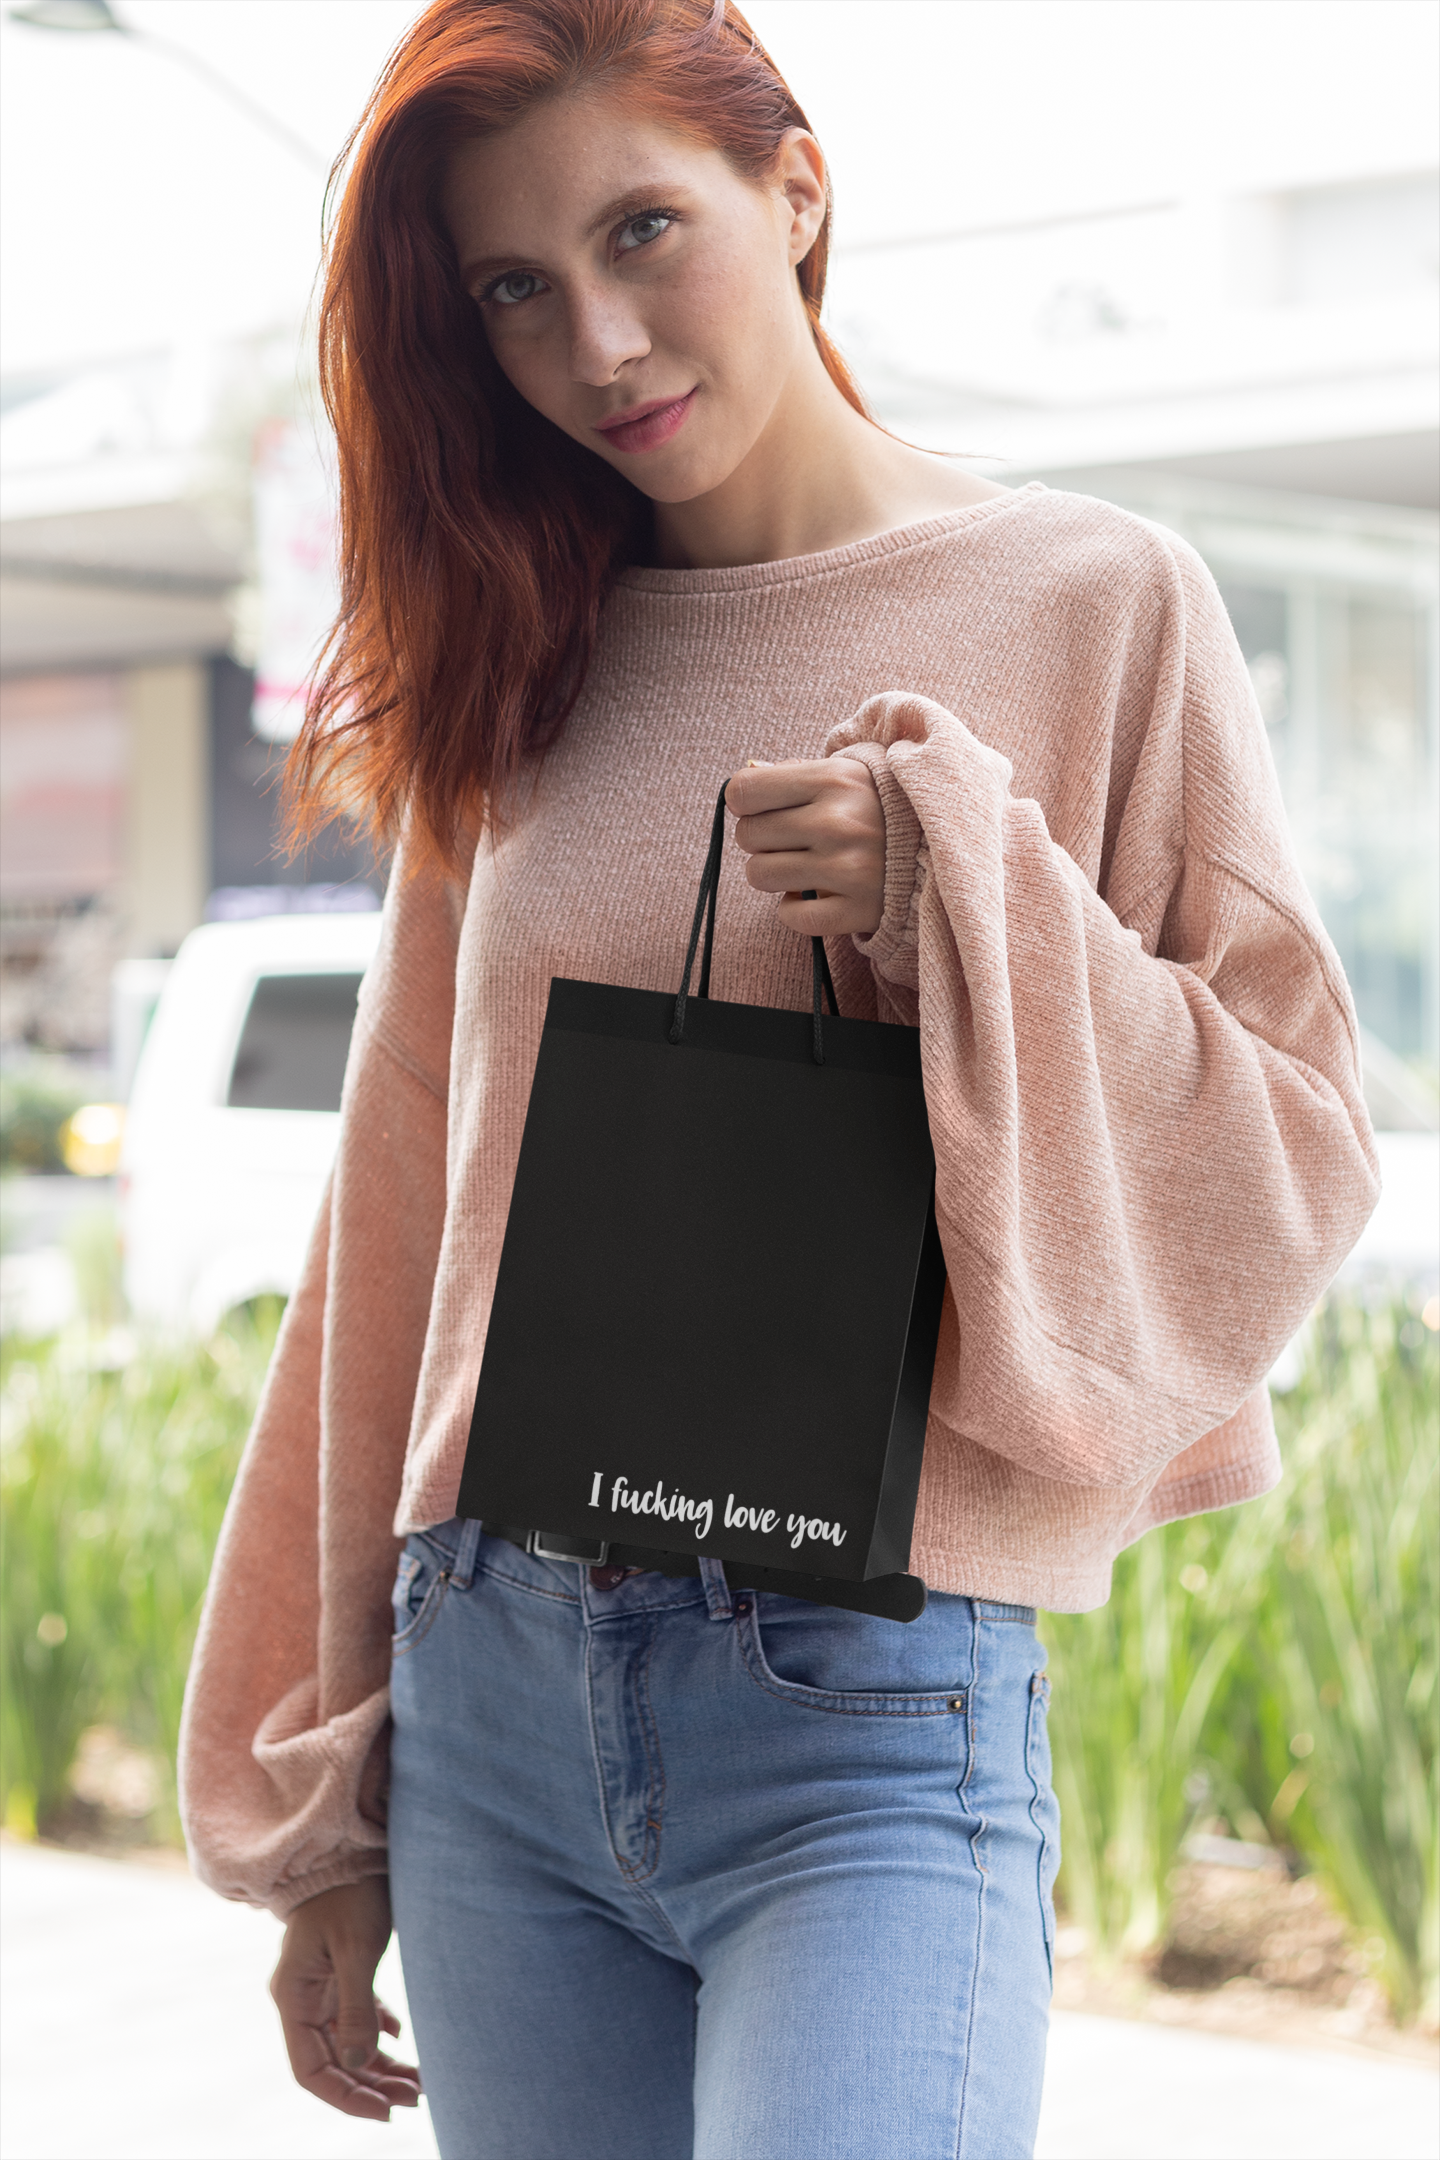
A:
478	541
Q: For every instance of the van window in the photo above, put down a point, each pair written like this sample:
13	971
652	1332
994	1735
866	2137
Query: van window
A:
294	1043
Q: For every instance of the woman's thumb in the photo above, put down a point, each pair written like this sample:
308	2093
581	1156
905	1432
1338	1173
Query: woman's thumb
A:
357	2025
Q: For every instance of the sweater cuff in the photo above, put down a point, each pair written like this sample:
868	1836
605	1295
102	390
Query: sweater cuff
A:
351	1867
893	948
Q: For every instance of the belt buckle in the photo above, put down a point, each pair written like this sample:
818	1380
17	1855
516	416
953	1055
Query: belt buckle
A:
541	1546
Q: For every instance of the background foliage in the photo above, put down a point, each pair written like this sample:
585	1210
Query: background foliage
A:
1275	1664
36	1097
113	1482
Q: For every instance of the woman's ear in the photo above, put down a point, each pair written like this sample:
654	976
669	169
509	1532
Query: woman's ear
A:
799	174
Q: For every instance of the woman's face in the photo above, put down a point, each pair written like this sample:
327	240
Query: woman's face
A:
635	289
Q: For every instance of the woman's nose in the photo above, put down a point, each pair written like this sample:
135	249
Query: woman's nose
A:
604	333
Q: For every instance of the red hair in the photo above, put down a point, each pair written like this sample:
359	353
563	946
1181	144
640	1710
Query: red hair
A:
478	540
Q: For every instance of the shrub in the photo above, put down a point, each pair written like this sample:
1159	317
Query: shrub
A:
1133	1689
36	1098
1280	1657
112	1488
1347	1640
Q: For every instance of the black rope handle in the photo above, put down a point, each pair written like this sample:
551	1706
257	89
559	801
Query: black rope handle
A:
821	980
705	904
709	892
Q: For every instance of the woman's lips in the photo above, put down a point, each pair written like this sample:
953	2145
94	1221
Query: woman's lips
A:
648	425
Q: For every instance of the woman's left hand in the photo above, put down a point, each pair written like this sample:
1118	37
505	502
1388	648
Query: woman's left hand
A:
818	828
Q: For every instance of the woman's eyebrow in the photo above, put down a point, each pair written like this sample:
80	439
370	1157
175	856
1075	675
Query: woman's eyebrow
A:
634	198
487	265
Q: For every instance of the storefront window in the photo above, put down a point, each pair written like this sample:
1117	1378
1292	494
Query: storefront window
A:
1343	682
1335	609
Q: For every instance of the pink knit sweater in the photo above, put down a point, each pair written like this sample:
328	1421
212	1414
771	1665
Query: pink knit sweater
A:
1140	1063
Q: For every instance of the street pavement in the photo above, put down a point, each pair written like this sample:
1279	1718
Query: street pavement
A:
135	2025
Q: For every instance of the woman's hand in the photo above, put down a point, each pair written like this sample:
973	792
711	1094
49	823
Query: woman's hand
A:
324	1989
814	828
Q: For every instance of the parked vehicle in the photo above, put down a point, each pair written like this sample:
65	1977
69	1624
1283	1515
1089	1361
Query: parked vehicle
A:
234	1113
234	1118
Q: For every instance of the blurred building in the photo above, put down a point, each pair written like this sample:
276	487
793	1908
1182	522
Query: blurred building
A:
1257	372
136	792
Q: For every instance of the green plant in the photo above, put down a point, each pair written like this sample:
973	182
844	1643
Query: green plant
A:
92	1242
53	1668
1351	1633
1279	1659
36	1097
1132	1688
112	1488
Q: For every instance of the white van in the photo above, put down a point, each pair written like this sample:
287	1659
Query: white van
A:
234	1114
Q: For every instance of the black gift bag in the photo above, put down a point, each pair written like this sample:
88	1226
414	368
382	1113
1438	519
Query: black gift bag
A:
719	1292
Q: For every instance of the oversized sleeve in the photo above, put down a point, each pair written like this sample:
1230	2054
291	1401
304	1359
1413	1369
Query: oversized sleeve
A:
284	1743
1151	1146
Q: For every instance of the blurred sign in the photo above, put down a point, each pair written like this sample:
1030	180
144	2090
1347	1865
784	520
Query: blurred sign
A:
62	786
295	541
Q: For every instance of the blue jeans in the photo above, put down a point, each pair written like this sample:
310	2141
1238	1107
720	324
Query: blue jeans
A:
679	1871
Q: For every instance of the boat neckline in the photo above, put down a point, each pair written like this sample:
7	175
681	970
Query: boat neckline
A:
789	569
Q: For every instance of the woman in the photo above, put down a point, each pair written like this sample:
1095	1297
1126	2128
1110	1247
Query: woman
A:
676	1867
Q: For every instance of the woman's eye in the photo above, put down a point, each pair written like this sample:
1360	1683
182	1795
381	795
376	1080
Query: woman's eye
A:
638	232
515	286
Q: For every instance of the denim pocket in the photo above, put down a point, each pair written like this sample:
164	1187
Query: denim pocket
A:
841	1662
420	1586
1044	1808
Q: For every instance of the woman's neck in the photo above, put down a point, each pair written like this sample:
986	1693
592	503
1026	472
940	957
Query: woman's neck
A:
820	476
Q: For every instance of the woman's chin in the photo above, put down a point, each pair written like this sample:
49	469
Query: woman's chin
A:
682	480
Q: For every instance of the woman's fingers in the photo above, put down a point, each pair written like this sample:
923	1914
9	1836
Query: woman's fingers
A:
362	2093
816	827
828	916
771	830
352	2096
331	2017
400	2082
372	2091
777	872
397	2083
758	788
313	2064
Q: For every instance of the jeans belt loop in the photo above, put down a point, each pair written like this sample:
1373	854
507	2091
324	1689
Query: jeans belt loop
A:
462	1572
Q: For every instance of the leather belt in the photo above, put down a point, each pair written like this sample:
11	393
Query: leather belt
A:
593	1552
886	1597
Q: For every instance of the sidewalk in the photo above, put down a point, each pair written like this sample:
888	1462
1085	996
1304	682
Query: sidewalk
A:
136	2026
1121	2091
